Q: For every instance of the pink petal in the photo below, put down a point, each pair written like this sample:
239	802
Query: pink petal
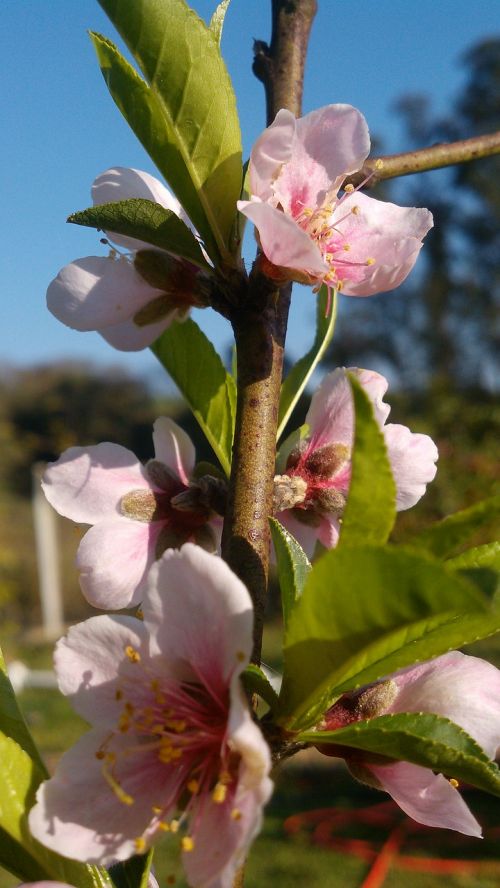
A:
282	240
86	484
95	292
174	448
90	663
459	687
328	531
191	599
79	815
426	797
128	336
122	183
271	150
413	458
331	414
329	144
113	558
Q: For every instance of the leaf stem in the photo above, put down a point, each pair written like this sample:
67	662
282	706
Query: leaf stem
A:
434	157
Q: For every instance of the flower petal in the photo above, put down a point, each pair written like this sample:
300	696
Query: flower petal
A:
113	558
87	483
122	183
331	413
191	599
329	144
413	457
174	448
97	291
128	336
426	797
462	688
282	240
271	150
90	664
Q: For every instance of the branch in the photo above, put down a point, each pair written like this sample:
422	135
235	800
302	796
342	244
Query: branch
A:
444	154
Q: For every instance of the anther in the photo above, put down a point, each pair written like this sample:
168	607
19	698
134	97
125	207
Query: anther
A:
133	655
219	793
187	843
140	845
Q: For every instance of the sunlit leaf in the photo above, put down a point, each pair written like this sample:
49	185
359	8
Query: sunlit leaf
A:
217	20
422	738
210	391
366	612
147	221
445	537
255	681
12	722
371	503
293	566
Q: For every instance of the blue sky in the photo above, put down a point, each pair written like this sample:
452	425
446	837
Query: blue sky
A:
60	129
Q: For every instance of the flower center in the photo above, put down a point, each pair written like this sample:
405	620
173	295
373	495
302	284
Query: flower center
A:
322	476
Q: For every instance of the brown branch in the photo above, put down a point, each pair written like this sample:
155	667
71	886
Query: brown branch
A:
259	323
444	154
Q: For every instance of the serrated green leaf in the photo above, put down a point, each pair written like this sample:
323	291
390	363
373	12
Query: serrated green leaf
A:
366	612
12	721
445	537
293	566
217	20
186	118
147	221
298	377
422	738
255	681
132	873
20	780
197	370
370	511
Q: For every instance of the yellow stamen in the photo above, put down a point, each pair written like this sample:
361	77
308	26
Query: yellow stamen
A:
346	247
379	164
120	793
133	655
176	724
165	827
139	613
193	786
156	809
370	261
355	211
236	814
454	783
187	843
140	845
219	793
174	826
349	189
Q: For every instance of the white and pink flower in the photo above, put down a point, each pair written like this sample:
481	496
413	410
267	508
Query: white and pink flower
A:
311	494
136	511
129	297
353	243
465	690
173	745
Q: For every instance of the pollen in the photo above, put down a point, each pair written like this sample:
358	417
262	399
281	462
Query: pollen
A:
140	844
187	843
174	826
355	211
454	783
349	189
219	793
133	655
346	247
193	786
370	261
379	164
236	814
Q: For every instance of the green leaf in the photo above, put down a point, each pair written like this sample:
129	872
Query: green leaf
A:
445	537
12	722
255	681
480	557
197	370
217	20
371	503
147	221
186	117
20	779
293	566
422	738
300	374
366	612
132	873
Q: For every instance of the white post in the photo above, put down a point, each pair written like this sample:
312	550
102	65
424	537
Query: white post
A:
47	553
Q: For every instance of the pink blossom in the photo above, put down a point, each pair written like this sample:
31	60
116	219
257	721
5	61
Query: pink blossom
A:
173	745
129	298
311	494
136	511
308	233
465	690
